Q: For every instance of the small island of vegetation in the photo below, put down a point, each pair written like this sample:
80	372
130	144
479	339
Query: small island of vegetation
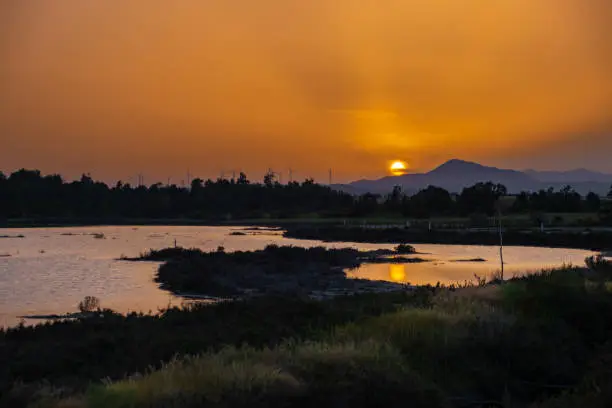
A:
285	270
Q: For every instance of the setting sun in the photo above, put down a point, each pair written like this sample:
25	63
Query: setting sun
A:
398	168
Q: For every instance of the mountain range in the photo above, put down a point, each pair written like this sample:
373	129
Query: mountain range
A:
456	174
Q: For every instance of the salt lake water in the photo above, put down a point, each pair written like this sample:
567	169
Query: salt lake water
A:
49	270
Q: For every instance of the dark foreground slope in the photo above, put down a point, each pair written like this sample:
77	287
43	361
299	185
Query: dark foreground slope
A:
542	339
66	357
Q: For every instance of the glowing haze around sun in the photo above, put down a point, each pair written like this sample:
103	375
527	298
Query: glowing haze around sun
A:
398	167
162	88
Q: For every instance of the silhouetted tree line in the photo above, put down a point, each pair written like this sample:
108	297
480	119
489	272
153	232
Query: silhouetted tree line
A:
485	198
28	194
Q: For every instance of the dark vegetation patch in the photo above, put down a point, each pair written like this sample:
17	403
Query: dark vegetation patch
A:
541	340
69	355
405	249
470	260
394	259
30	198
273	270
592	240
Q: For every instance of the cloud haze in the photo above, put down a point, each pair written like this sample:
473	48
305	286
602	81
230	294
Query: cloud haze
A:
150	86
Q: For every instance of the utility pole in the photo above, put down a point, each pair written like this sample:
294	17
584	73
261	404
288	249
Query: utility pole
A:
330	176
501	243
290	175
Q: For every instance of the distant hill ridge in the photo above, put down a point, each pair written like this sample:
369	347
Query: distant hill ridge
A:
455	174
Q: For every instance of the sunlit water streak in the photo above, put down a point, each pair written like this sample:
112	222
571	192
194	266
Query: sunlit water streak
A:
51	269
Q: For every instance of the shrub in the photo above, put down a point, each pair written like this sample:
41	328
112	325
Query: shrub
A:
89	304
405	249
598	263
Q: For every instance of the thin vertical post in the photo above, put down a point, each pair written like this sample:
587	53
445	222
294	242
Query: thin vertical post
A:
501	245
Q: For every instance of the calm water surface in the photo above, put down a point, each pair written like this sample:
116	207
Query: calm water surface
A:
453	263
51	269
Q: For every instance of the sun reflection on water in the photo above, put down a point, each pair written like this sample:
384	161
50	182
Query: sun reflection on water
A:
397	272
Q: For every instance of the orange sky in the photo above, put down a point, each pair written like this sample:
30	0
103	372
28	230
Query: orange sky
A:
120	87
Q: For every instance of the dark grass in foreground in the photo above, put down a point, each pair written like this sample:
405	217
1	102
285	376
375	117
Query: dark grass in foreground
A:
67	356
514	345
541	340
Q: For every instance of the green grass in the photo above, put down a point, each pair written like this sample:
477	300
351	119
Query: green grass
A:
304	374
530	341
63	358
540	340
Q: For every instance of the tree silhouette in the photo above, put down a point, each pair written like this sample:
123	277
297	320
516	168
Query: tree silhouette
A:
196	184
29	194
242	179
428	202
89	304
269	179
481	198
394	200
593	202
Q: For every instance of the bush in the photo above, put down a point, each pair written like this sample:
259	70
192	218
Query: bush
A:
89	304
598	263
405	249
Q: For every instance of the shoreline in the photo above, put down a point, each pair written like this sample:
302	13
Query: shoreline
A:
597	241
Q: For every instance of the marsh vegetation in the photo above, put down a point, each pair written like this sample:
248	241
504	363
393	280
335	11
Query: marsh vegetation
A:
285	270
538	341
584	239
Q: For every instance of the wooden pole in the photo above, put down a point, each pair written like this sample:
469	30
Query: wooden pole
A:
501	245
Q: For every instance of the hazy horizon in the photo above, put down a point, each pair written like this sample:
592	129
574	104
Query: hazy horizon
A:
157	88
258	178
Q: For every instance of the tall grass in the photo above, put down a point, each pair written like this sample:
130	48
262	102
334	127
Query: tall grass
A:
351	374
463	347
513	344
